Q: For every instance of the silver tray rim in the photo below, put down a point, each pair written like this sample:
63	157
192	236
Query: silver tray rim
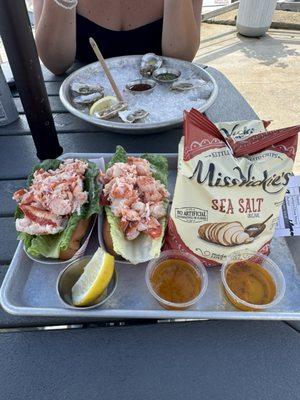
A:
109	314
137	127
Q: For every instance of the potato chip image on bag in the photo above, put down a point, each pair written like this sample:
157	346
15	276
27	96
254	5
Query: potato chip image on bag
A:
231	182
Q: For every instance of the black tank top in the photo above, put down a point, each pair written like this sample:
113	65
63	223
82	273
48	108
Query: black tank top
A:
145	39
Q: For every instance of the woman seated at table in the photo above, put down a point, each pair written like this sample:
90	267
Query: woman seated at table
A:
120	27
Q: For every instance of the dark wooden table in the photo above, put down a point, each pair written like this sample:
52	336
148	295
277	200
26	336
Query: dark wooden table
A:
203	359
17	155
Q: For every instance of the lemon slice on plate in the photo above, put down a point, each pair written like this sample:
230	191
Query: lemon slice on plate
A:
94	280
102	104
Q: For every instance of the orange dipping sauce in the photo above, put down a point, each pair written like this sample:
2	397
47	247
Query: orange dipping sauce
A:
176	281
250	282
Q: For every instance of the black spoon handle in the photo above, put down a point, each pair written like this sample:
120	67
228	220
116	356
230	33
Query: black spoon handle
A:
267	219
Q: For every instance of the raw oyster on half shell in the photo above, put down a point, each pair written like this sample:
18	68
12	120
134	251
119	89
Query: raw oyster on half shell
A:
131	116
79	88
183	85
87	99
111	111
150	62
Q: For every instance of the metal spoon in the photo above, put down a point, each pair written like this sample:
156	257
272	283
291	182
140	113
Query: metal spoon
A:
256	229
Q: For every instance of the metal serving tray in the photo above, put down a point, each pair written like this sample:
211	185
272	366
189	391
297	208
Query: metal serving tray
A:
29	287
165	106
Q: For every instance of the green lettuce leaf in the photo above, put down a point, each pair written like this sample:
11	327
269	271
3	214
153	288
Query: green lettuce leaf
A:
143	248
159	167
26	239
50	245
119	156
41	245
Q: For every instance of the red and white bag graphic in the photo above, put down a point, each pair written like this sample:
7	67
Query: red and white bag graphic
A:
230	186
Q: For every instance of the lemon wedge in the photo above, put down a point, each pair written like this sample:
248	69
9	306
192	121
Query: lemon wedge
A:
94	280
102	104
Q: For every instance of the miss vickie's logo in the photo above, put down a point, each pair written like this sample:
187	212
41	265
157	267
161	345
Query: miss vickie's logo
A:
237	132
270	184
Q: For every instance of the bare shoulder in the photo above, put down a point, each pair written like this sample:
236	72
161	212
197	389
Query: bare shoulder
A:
197	4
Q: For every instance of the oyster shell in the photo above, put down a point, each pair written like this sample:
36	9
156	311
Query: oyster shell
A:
79	88
182	86
202	92
112	111
206	90
188	84
150	62
132	116
86	99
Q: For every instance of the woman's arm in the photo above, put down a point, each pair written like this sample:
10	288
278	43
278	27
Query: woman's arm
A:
55	35
181	28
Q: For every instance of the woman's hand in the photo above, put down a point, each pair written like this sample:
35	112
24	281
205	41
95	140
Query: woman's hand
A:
181	28
55	35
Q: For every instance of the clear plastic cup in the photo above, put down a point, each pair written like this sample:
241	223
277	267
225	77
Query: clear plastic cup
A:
265	262
192	261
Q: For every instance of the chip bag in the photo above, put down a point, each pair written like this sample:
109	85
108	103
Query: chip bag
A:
231	182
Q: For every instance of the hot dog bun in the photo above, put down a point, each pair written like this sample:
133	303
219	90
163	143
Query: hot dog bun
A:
107	237
76	239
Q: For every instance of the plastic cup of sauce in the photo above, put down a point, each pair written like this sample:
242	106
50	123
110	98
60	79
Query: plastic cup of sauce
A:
252	281
176	280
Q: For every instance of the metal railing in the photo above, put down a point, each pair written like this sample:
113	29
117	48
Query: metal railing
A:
283	5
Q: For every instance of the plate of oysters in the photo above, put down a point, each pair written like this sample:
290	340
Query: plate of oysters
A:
155	91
